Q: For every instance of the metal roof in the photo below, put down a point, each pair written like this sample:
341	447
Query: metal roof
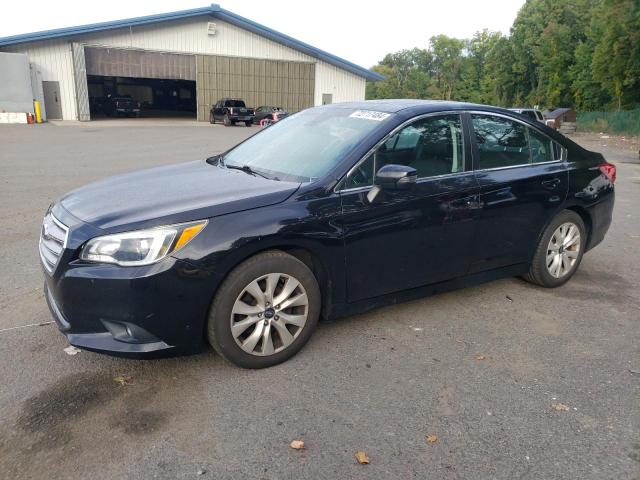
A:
213	10
555	113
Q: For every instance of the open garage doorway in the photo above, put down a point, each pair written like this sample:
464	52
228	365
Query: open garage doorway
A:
141	97
140	83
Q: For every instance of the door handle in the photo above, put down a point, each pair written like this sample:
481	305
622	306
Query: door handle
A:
551	184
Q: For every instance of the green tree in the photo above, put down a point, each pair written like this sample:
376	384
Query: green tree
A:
473	85
447	59
616	57
588	94
500	80
583	53
406	75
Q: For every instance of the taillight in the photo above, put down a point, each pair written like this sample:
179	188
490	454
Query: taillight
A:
609	171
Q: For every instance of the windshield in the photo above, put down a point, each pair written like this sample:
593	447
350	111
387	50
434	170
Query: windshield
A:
306	145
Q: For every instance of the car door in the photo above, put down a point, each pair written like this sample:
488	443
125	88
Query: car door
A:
523	180
217	110
403	239
260	114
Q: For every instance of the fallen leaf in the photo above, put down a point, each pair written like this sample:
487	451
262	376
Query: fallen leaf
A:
362	458
561	407
71	350
123	380
480	357
297	445
201	471
432	438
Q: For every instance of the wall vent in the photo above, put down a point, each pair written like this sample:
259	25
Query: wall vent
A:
211	29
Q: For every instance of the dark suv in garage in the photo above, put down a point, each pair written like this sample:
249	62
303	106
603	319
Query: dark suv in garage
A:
231	110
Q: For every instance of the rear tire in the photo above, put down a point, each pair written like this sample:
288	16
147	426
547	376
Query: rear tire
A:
278	317
212	118
227	121
559	251
248	123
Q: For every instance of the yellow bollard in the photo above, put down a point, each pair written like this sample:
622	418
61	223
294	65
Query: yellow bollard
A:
36	106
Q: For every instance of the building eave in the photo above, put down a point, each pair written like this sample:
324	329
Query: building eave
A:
215	11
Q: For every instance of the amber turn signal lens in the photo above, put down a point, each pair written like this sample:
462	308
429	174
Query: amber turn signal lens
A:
187	234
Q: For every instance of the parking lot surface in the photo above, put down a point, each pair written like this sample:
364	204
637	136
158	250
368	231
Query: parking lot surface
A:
508	380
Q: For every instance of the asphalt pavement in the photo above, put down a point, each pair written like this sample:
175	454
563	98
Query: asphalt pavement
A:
508	380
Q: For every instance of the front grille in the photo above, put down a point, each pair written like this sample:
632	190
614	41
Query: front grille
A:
53	240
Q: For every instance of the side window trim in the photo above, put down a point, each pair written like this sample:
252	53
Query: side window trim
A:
475	150
466	144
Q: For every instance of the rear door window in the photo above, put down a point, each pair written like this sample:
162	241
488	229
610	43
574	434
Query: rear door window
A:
541	147
501	142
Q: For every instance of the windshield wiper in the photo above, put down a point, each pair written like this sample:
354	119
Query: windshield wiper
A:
247	169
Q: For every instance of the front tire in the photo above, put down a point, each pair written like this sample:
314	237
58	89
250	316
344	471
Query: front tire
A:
559	252
265	310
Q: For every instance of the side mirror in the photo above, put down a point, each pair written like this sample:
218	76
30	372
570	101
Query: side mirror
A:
396	177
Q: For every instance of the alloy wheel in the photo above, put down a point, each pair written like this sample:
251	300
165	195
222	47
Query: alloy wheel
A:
269	314
563	250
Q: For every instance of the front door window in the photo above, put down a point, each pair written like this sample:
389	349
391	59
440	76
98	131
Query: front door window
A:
433	146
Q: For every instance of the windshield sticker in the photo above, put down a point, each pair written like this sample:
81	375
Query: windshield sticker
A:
370	115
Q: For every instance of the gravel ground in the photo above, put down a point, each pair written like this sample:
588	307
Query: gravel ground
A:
479	368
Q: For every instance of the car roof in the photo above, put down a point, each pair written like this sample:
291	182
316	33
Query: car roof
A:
414	106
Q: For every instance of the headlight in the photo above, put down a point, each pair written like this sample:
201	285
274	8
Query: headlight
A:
141	247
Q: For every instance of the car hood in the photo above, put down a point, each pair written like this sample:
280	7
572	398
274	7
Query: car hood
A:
172	194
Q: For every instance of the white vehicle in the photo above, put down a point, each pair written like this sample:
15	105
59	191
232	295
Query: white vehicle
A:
532	113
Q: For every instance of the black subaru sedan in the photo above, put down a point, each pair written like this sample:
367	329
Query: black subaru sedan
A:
332	211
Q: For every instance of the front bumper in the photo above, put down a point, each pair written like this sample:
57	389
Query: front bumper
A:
104	342
140	312
134	316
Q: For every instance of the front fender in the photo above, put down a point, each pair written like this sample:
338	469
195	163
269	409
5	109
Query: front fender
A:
228	240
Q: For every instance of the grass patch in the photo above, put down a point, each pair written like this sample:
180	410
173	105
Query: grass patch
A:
624	121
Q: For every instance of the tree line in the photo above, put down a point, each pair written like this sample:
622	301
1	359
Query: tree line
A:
570	53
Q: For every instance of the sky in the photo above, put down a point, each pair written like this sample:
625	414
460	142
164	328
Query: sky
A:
359	31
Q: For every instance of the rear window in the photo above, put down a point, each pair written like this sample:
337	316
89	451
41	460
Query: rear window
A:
234	103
